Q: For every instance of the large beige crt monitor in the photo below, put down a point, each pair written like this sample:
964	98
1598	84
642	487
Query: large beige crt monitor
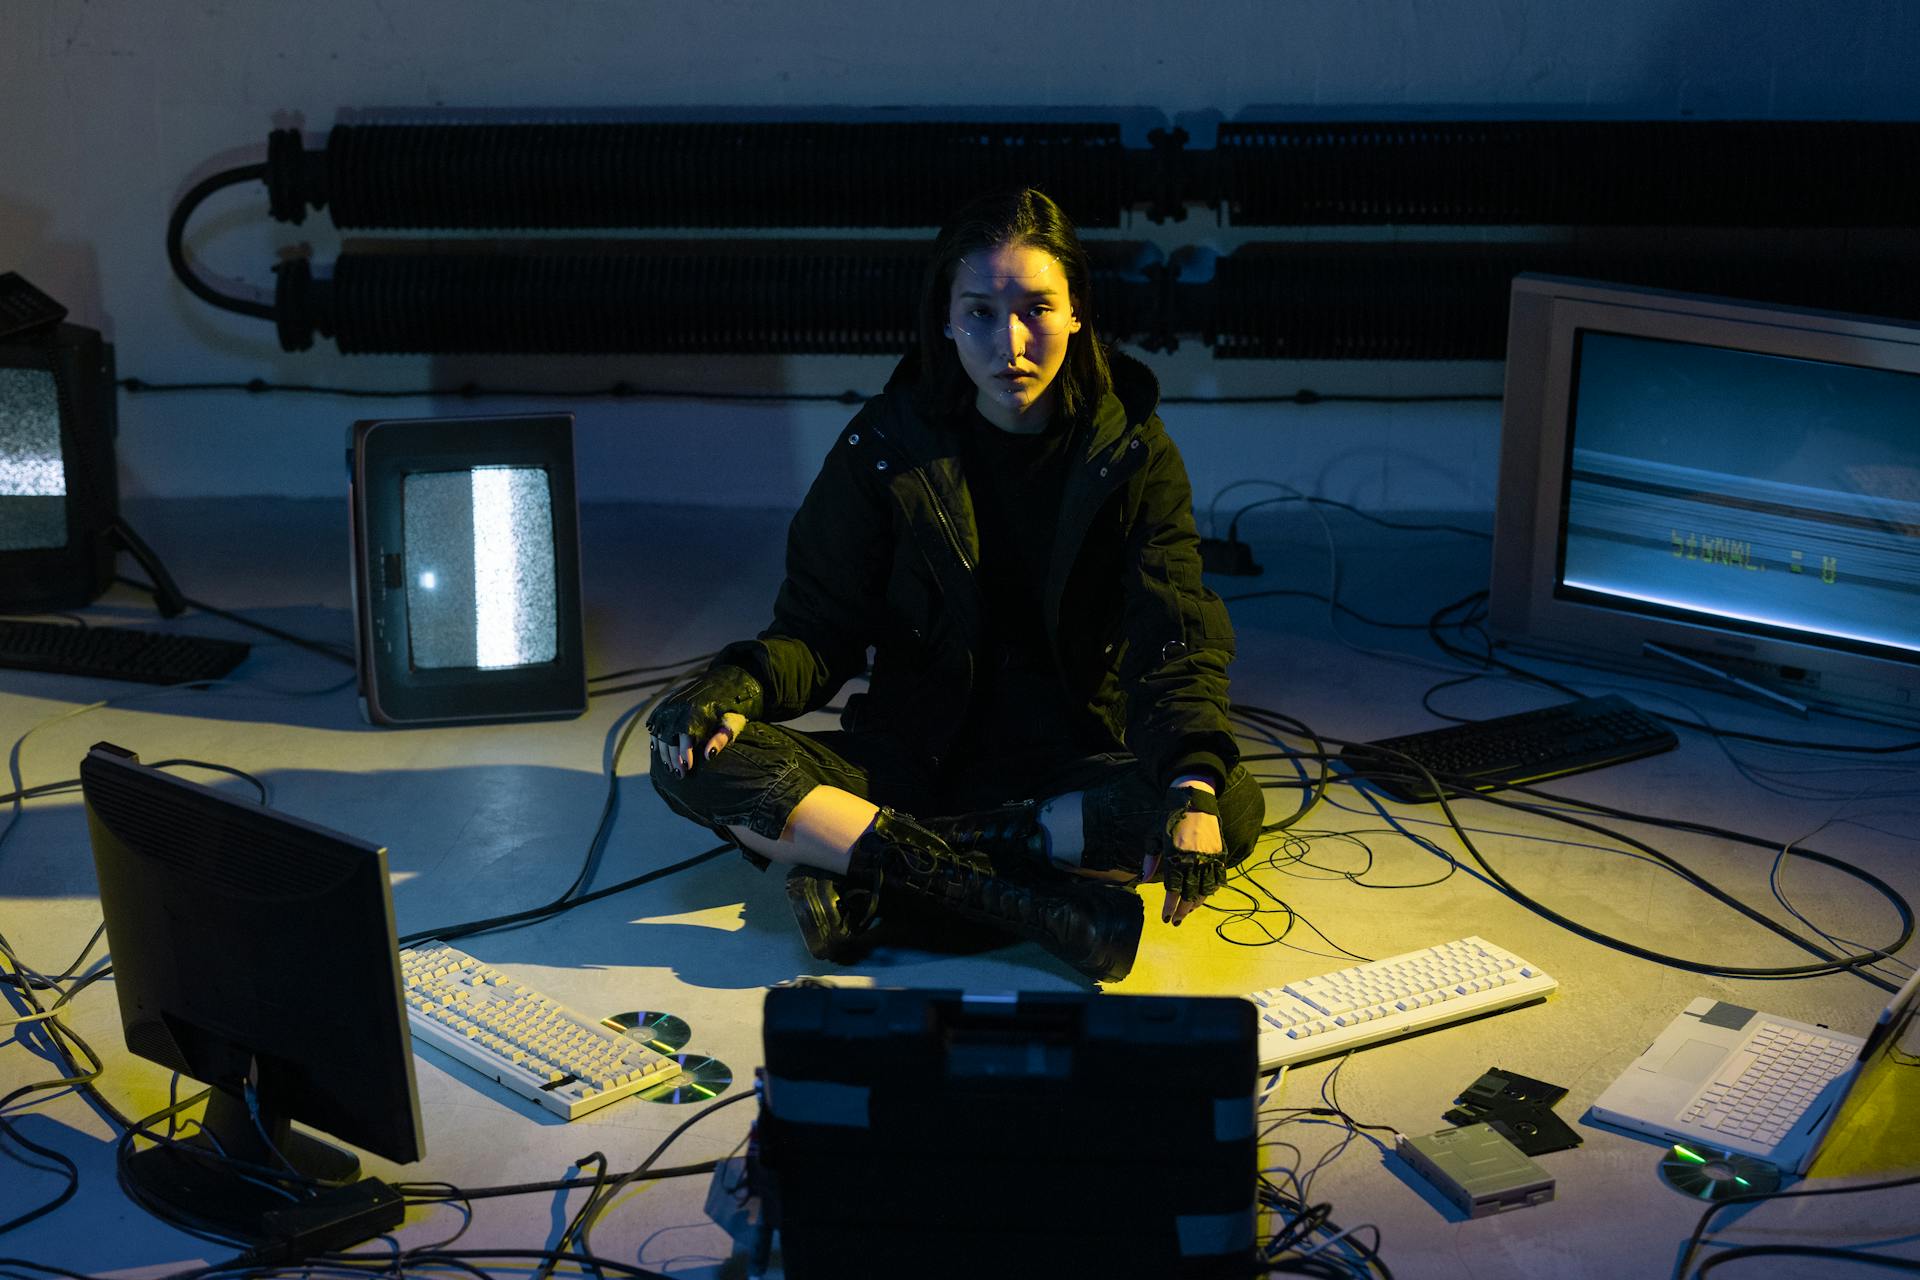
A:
1709	488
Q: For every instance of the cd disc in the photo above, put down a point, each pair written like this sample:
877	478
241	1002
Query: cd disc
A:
1706	1174
700	1079
660	1032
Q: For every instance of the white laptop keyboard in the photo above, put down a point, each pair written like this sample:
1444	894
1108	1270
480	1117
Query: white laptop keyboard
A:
1386	999
509	1032
1764	1089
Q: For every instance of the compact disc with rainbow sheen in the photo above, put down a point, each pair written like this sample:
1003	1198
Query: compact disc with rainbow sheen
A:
1706	1174
701	1079
660	1032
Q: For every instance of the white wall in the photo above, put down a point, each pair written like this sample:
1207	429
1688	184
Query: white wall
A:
110	109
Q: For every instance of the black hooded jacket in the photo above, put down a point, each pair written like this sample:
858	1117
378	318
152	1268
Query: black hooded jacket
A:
883	553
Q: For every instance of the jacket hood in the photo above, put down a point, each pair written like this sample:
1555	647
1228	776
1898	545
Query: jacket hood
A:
1136	386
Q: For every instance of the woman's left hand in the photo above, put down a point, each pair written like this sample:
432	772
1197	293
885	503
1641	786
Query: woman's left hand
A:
1195	864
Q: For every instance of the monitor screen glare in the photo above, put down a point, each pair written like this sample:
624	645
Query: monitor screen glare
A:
33	477
481	579
1773	494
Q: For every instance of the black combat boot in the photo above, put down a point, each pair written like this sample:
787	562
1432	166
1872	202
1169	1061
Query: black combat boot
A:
1009	835
835	913
1094	927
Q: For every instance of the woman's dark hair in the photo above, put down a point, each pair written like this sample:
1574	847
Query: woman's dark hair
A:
1025	217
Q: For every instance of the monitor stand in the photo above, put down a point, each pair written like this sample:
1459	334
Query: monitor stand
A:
187	1182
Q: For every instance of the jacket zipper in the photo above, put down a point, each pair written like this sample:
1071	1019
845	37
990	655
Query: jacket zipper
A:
946	526
940	512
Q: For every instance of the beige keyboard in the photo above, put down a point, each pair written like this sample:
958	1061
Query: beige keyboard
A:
509	1032
1386	999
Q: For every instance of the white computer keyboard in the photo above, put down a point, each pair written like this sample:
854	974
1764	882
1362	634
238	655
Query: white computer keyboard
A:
1763	1090
1385	999
509	1032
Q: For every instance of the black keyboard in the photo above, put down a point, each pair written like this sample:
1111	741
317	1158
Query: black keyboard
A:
1529	747
116	653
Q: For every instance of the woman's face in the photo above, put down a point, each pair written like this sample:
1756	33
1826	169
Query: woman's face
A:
1010	316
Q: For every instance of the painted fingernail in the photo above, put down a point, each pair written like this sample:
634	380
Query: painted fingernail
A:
712	752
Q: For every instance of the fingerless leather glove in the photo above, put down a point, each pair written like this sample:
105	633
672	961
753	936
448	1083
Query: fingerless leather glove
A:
695	707
1193	876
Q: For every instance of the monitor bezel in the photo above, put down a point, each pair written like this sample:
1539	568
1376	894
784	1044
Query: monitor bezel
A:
149	894
1529	610
382	453
76	572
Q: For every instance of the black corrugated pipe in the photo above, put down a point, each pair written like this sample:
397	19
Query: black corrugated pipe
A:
1732	173
1448	301
746	297
1779	173
512	176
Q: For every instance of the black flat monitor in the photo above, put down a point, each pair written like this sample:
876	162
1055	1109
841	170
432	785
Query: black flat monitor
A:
1707	488
466	562
947	1135
59	495
254	952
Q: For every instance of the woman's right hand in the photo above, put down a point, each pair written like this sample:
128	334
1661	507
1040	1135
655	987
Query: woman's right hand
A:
708	711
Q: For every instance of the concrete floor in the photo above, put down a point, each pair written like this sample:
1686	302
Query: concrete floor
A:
480	820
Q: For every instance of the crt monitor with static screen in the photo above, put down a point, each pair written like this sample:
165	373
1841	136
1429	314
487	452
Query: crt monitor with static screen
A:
1692	484
466	561
256	953
58	492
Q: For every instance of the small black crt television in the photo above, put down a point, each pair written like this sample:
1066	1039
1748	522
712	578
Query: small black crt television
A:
58	492
948	1134
466	569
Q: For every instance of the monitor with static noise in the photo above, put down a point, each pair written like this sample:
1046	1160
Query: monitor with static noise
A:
466	569
253	952
1714	490
59	495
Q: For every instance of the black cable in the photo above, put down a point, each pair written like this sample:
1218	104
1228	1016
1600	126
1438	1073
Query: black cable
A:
46	1268
57	1035
1308	1218
558	906
1911	1265
607	1198
682	664
574	1225
1308	396
42	982
653	683
1700	1228
183	762
1832	963
571	897
1347	609
627	391
1233	524
333	652
1317	790
476	391
542	1188
582	1258
44	789
176	234
622	730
